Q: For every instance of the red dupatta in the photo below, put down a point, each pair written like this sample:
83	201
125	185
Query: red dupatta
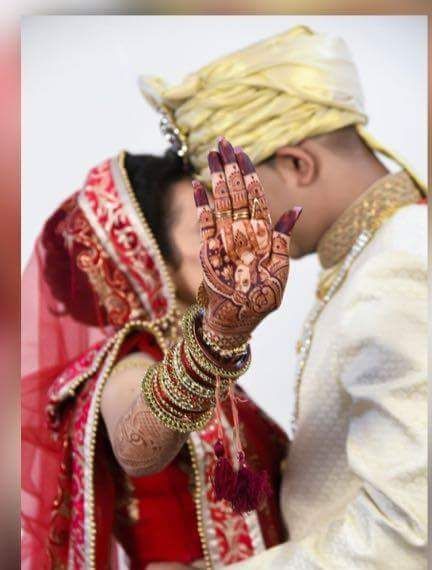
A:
95	279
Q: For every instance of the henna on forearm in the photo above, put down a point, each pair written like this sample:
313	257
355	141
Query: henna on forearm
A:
141	443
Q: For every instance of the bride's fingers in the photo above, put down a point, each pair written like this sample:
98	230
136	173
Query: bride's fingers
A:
244	239
288	220
206	218
222	200
283	229
257	200
234	178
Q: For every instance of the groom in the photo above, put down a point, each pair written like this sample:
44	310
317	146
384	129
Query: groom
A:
354	488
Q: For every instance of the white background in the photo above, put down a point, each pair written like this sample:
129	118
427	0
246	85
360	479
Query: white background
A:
81	104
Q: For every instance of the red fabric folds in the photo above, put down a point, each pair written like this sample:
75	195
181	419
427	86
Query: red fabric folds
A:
60	318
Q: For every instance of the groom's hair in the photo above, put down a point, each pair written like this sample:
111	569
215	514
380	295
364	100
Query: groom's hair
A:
344	142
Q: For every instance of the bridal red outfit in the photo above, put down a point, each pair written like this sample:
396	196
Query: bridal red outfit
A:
95	290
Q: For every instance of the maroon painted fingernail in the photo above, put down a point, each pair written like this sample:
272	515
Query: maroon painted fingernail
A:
238	149
245	164
287	221
214	161
200	195
226	150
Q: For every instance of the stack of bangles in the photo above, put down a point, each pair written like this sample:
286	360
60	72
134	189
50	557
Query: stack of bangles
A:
181	390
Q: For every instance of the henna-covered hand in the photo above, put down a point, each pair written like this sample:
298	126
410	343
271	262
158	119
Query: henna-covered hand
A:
245	262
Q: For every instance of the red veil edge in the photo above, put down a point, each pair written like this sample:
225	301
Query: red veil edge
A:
50	339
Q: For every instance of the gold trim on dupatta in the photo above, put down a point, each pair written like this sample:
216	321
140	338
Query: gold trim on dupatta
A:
90	435
127	193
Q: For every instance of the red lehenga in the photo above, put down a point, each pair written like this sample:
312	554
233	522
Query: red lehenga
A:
95	290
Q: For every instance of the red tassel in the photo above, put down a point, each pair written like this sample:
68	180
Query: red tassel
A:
224	477
251	488
245	489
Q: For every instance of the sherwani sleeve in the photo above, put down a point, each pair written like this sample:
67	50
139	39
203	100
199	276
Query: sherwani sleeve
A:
381	354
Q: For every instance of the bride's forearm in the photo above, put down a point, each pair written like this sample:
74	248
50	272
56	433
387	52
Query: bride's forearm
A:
141	443
150	409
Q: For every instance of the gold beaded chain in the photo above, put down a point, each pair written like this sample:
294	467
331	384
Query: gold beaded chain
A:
172	314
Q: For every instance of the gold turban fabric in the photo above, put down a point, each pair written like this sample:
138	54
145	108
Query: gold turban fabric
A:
277	92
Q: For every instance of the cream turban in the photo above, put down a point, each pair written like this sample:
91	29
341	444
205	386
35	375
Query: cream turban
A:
277	92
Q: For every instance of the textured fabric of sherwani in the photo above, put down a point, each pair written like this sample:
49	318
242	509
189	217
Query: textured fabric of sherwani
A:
354	489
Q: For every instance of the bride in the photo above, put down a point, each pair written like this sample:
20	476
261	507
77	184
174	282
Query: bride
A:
134	431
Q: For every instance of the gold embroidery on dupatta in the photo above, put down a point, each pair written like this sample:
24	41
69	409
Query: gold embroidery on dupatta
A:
111	286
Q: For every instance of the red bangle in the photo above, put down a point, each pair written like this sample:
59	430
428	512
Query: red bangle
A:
167	405
192	373
196	400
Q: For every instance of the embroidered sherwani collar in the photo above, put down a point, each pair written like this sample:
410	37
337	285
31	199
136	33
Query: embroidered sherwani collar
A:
367	213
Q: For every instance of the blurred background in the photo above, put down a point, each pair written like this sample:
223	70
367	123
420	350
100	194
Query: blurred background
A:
81	104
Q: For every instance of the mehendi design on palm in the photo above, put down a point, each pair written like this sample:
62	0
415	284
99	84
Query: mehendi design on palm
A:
245	262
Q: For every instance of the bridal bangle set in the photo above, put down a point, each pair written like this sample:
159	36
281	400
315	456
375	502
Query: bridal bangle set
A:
181	389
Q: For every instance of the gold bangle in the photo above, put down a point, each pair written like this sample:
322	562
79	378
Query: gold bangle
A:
224	342
168	403
189	402
196	351
165	405
203	359
183	425
224	388
224	352
173	412
188	382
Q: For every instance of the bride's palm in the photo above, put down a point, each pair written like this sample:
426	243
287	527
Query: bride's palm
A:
245	262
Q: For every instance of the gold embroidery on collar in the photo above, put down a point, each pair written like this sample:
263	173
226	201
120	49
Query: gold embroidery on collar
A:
326	279
368	212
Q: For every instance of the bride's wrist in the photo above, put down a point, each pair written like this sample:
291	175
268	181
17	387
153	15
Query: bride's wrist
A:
224	366
224	345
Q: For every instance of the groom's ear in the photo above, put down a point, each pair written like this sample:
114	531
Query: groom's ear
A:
295	165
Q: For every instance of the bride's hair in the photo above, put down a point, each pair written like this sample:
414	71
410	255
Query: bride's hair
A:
152	178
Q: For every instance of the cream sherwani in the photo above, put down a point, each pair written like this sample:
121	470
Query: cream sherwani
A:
354	491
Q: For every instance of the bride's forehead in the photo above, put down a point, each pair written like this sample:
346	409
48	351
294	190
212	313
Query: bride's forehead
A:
182	194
